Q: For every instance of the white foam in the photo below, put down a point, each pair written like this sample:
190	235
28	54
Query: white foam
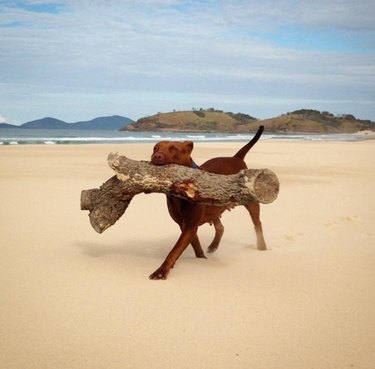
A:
82	137
197	137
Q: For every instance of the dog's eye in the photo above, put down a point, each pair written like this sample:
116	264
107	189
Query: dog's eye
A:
173	148
155	148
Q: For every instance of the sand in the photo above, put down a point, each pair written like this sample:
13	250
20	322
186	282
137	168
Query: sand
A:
75	299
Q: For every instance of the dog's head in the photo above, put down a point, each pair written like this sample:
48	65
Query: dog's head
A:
172	152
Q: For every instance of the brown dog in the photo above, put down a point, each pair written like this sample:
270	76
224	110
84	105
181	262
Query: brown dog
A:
188	215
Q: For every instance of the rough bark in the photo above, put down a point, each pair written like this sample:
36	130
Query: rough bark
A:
109	202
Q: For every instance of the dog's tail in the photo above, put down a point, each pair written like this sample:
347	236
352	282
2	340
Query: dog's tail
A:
243	151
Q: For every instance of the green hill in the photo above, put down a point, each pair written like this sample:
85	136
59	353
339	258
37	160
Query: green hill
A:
211	120
314	121
195	121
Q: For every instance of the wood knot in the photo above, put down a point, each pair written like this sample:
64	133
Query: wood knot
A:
188	187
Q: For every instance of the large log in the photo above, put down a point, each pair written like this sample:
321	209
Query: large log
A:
108	203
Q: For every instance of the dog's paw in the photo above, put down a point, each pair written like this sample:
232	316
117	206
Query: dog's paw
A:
212	249
160	273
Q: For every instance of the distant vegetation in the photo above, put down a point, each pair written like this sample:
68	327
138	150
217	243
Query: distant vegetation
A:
213	120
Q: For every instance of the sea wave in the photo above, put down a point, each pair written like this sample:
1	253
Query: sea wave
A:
52	137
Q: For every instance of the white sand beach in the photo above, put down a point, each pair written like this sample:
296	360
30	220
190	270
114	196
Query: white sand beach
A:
75	299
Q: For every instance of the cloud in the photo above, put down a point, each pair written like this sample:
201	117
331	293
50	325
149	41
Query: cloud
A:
173	50
341	14
3	119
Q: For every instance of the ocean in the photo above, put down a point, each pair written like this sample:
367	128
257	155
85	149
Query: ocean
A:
68	137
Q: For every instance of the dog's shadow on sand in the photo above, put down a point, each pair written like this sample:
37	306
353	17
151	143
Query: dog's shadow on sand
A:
141	249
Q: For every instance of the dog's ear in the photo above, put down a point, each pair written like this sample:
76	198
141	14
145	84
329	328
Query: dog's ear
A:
189	145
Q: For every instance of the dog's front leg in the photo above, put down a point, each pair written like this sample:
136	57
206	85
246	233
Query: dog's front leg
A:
182	243
189	230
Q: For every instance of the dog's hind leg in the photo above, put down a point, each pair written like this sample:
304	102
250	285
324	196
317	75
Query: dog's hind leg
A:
219	230
254	210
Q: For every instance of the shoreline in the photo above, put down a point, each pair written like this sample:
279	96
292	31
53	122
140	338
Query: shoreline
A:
74	137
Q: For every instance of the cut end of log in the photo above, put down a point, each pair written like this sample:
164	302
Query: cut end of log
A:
266	186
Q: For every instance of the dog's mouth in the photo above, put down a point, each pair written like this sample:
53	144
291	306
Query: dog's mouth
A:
157	161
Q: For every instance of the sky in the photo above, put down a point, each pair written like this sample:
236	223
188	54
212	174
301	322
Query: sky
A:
79	59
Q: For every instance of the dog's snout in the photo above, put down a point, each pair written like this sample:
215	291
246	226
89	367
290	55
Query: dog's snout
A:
158	158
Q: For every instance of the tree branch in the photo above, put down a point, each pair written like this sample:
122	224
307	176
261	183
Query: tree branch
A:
109	202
